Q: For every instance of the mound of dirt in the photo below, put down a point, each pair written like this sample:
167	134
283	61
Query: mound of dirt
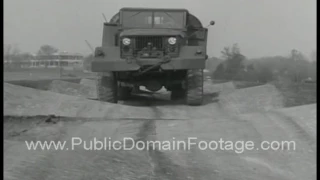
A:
221	88
73	89
253	99
88	82
43	84
23	101
304	116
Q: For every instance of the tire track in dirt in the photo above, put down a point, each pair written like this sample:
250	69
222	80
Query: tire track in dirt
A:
163	167
300	132
53	164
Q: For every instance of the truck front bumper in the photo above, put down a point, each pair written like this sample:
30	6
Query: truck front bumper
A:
103	65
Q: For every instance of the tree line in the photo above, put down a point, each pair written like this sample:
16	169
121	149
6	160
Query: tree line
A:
235	66
14	54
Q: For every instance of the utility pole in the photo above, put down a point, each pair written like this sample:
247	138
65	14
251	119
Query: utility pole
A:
60	67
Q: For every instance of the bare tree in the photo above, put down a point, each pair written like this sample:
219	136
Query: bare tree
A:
11	53
47	50
298	67
233	60
230	52
294	54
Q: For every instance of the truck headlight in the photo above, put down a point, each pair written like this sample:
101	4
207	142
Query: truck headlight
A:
126	41
172	40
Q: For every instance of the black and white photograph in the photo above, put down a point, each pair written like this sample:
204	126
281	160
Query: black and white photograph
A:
160	89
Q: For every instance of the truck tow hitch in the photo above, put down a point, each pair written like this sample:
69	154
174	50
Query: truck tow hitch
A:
166	60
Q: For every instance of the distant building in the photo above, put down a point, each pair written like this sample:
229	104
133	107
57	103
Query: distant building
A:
62	59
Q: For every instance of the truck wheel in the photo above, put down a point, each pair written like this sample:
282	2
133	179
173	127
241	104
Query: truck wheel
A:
124	93
107	88
194	86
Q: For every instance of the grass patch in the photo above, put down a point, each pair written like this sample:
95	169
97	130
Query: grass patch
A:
297	94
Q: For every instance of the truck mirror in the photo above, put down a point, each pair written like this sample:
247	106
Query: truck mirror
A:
212	23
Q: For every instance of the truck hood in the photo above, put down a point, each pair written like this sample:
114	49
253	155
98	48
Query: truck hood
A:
152	32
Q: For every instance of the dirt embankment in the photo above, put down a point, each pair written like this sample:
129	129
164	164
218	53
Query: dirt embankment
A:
235	116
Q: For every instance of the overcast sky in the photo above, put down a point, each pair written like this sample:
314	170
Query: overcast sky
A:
260	27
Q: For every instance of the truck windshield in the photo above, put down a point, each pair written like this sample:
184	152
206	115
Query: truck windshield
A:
146	19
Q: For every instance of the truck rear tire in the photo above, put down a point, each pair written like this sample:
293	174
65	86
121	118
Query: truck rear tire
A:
194	85
107	88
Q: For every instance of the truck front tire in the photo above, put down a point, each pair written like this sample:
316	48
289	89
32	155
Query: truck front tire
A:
194	86
107	88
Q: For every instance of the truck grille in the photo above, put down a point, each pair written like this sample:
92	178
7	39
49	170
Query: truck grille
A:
142	42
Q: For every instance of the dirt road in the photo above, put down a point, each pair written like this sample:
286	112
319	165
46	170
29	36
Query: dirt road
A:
157	119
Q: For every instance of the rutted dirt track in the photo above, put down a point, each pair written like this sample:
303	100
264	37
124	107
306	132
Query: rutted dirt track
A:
252	114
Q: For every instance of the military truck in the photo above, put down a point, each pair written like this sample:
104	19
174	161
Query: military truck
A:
154	48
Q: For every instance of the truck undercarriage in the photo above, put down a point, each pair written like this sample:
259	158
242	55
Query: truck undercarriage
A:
187	84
